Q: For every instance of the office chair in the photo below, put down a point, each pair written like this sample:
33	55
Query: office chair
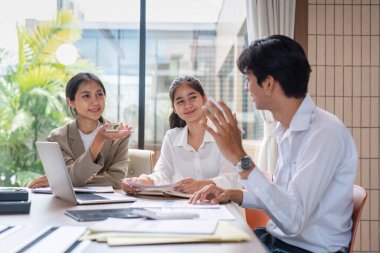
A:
141	162
258	218
360	196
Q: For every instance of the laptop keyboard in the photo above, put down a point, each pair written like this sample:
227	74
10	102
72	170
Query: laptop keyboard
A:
89	196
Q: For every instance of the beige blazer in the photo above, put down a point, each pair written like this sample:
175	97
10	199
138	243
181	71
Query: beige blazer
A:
109	168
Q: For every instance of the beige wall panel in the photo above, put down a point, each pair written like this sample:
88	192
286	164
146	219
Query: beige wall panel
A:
330	104
366	107
366	20
356	81
374	207
366	50
374	142
375	51
312	49
375	235
347	19
356	52
339	107
347	114
330	81
375	175
321	19
312	18
330	50
357	135
366	79
339	50
356	110
338	19
365	144
321	81
365	235
321	50
339	77
375	30
356	19
347	72
330	19
375	111
347	50
375	81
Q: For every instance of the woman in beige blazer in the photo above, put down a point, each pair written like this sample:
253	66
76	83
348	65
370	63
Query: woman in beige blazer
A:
95	151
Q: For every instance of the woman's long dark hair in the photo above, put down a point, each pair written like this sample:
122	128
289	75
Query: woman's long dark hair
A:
194	83
74	83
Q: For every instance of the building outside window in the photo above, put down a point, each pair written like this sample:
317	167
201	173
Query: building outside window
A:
183	37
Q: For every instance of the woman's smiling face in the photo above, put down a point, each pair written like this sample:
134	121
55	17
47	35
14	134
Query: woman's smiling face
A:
89	101
188	103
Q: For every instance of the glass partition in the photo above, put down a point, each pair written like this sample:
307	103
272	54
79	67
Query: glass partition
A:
41	48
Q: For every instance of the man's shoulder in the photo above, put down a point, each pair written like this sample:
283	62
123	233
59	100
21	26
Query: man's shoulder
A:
328	120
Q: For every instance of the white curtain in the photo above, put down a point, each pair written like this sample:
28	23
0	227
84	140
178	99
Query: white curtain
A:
264	18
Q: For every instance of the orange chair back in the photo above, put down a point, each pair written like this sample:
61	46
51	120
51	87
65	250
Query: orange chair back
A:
256	218
360	196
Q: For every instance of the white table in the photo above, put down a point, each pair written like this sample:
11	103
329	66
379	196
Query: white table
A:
47	210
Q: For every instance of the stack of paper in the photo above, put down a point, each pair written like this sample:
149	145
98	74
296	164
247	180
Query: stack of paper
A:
144	203
160	190
118	232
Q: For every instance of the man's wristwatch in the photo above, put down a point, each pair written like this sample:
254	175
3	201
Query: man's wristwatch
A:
244	163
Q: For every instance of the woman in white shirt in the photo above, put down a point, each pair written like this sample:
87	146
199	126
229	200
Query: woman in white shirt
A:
189	155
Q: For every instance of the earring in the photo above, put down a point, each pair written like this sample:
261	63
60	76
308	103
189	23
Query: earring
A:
268	93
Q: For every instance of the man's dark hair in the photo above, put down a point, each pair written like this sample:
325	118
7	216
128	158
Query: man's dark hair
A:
280	57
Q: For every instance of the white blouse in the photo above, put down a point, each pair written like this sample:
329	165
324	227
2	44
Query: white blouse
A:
179	160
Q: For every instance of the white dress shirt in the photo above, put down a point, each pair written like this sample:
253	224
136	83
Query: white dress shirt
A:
179	160
310	203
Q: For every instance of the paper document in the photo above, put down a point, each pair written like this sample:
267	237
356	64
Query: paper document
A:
7	230
156	226
166	187
90	189
221	213
144	203
53	239
225	232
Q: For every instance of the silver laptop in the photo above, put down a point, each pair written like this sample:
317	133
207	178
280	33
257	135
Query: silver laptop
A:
60	182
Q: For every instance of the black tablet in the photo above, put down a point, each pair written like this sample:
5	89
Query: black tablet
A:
100	214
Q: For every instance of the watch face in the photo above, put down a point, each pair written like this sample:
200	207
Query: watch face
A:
246	162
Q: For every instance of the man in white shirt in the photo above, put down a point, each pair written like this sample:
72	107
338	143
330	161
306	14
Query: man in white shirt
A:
310	201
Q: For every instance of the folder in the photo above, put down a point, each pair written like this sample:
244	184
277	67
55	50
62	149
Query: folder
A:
225	232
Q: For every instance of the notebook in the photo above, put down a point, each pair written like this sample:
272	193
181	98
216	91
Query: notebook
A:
60	182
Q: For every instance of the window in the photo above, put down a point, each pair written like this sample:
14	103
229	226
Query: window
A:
196	37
